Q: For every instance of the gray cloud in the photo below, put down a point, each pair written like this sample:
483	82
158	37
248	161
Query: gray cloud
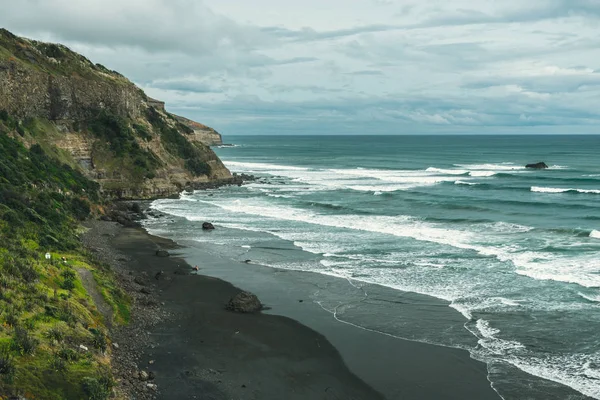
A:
378	66
153	25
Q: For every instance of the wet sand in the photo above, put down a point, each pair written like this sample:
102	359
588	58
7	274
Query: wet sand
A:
205	352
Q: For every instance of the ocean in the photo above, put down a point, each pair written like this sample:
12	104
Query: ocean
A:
516	251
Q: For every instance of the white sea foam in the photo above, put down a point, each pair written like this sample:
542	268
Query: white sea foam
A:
361	179
465	183
595	234
491	167
595	299
447	171
492	343
252	166
507	227
481	174
509	302
582	270
485	329
588	279
562	190
573	370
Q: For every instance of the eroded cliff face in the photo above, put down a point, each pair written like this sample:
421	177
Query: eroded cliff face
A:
90	113
201	133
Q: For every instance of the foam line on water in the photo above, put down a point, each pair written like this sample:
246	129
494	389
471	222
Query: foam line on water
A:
595	299
563	190
539	266
459	182
253	166
491	167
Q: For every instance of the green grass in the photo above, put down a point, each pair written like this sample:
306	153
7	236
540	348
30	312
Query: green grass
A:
42	200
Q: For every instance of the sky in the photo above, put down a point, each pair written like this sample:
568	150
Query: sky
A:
344	66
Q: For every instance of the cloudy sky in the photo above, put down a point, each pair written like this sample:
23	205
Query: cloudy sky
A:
344	66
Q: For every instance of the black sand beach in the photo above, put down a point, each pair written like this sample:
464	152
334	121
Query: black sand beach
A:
202	351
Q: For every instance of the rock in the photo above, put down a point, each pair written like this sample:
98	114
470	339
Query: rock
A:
244	302
247	261
143	376
146	291
83	348
135	207
151	376
152	386
139	281
128	223
116	345
158	275
539	165
207	226
162	253
105	218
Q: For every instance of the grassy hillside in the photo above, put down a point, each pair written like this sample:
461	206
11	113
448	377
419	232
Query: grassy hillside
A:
46	313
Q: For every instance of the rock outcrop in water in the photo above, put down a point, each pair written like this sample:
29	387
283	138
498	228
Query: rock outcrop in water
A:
539	165
207	226
96	120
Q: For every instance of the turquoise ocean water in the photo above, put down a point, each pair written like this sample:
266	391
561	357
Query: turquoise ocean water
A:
515	251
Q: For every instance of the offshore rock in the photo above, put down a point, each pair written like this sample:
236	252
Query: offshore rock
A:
539	165
207	226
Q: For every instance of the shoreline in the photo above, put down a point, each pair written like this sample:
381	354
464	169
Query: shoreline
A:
194	346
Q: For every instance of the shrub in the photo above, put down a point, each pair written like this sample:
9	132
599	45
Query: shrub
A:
80	208
23	342
7	363
28	273
95	389
29	323
69	279
57	363
68	354
55	334
197	167
11	316
99	340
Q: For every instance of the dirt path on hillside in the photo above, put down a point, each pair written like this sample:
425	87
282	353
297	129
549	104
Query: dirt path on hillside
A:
88	281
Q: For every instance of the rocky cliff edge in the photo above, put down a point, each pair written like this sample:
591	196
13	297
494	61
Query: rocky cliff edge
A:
96	120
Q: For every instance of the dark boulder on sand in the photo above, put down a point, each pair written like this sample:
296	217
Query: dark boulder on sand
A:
540	165
162	253
244	302
207	226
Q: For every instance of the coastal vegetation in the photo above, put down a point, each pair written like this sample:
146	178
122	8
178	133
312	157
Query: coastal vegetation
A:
177	144
74	135
53	339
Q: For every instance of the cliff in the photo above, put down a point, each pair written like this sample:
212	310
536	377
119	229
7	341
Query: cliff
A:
99	122
201	133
